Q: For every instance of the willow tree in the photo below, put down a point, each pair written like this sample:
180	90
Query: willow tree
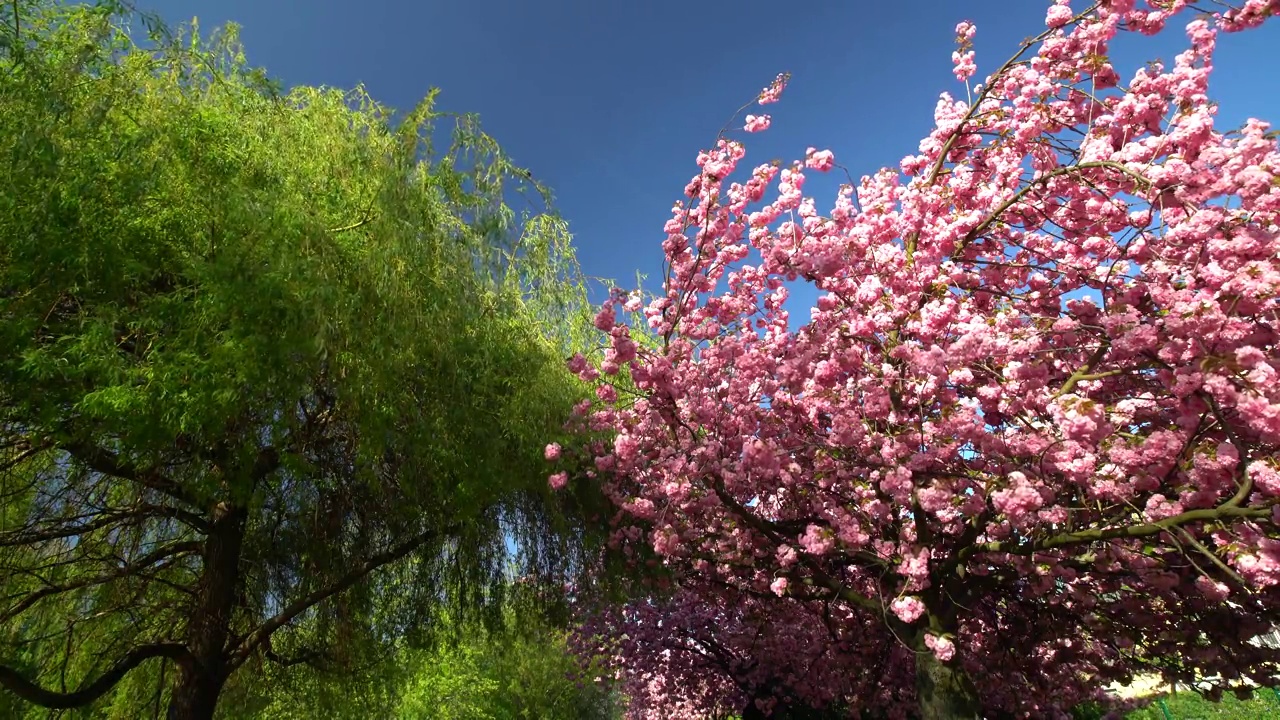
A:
277	372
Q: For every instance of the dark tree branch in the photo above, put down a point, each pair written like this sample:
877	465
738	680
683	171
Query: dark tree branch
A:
257	637
132	568
108	463
267	462
1222	512
33	693
31	535
762	525
306	657
24	450
362	221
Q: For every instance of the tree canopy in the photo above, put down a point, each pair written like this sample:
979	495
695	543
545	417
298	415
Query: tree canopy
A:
278	367
287	427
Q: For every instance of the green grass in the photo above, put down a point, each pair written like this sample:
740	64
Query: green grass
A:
1190	706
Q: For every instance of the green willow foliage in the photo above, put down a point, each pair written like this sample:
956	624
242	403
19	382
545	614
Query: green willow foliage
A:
276	375
520	669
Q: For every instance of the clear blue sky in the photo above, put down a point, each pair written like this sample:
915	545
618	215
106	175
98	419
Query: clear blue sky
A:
608	101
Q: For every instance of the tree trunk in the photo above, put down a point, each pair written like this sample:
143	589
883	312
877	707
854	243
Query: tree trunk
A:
200	678
752	712
195	693
944	690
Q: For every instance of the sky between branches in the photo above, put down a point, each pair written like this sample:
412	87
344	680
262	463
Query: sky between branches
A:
609	102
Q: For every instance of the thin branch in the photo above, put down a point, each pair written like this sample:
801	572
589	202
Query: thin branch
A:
31	536
259	636
974	107
306	657
362	221
25	451
33	693
1084	372
108	463
761	525
1225	568
1079	537
1035	184
151	558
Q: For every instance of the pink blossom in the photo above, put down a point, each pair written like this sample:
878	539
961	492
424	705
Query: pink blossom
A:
787	556
1212	589
1019	499
1059	14
771	93
816	540
558	480
552	452
1265	477
820	160
908	608
605	319
779	586
941	646
1159	507
757	123
964	64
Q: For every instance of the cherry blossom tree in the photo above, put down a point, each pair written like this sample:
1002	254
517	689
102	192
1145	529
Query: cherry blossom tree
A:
1024	445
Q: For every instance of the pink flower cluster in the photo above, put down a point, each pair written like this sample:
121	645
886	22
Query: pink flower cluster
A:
941	646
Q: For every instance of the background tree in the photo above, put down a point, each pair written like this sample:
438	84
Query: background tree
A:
277	371
1028	433
518	668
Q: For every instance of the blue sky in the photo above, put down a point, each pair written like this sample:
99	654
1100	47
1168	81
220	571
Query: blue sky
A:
609	101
